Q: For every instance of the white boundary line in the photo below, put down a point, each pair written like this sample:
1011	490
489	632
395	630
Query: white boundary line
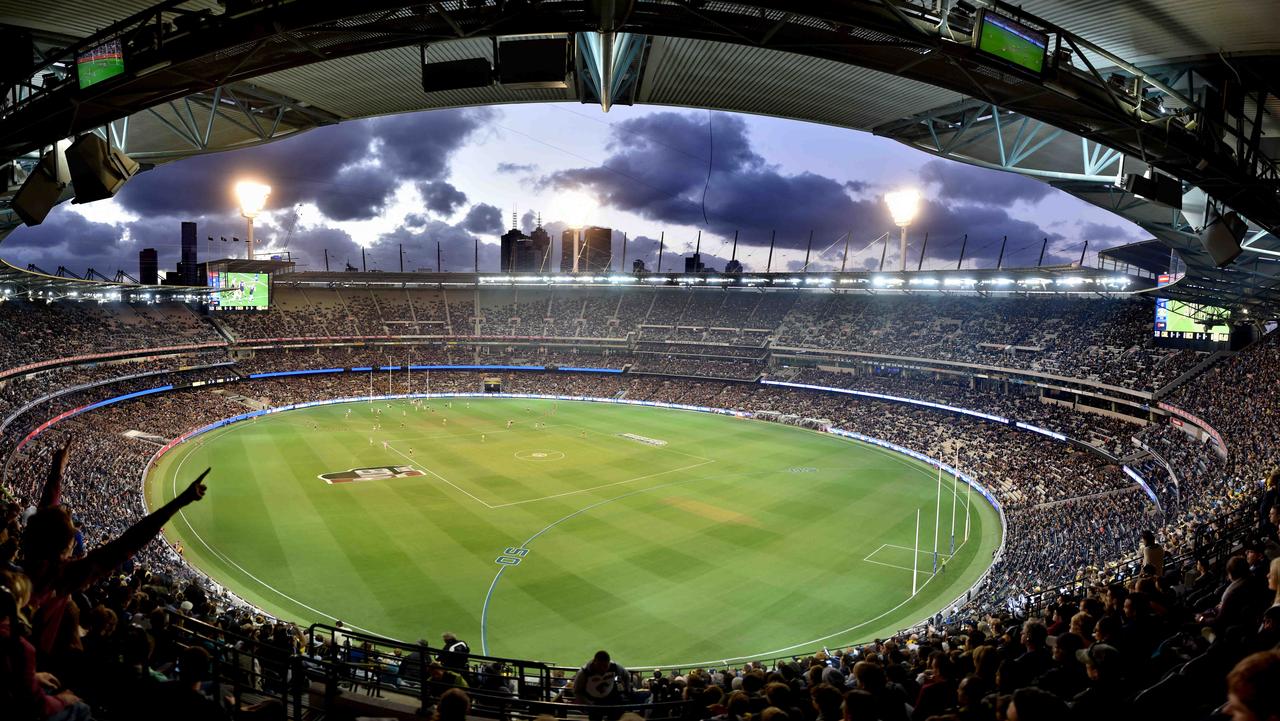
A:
893	565
926	552
242	569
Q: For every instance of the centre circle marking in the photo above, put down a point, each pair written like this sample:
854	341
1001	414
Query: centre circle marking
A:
538	455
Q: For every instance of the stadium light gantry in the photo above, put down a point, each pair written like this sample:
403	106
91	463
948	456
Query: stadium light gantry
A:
903	206
253	198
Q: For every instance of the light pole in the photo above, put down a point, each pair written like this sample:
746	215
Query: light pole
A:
903	205
252	197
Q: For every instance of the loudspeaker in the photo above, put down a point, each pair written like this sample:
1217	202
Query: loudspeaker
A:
1159	188
534	63
42	188
1221	238
97	170
17	55
456	75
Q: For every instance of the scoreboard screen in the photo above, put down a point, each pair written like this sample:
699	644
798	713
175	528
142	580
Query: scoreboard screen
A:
1187	321
99	63
1179	321
1013	42
237	291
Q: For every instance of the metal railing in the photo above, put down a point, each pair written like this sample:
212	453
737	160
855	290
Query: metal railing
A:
498	687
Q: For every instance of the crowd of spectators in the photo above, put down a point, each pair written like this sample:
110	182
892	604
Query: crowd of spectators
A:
67	329
1108	341
24	389
986	658
697	366
1070	518
1101	340
1108	432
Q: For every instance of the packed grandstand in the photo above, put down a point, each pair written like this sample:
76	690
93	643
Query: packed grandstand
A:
1086	434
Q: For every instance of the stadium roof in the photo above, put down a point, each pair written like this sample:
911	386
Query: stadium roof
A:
1151	256
35	284
1129	98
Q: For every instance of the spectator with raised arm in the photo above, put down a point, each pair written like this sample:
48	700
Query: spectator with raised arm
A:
47	545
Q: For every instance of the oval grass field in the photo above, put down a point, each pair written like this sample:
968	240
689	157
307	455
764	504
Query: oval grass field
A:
668	537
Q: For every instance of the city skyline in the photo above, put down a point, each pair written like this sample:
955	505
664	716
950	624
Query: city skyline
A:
454	176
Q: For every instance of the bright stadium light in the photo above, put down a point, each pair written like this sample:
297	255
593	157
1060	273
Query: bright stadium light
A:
903	206
253	198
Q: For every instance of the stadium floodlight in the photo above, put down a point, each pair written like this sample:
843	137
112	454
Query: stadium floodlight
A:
253	198
903	206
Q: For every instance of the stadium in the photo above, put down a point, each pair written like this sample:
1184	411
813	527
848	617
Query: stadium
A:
826	468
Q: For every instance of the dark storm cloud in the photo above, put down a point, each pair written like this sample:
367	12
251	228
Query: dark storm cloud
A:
957	181
483	218
370	189
349	170
66	238
307	247
457	248
513	168
1104	231
528	222
657	168
419	145
441	197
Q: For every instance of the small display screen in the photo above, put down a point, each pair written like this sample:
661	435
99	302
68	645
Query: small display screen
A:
100	63
1187	321
1179	321
1012	42
240	290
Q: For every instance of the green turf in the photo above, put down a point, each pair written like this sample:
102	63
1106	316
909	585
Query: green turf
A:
737	539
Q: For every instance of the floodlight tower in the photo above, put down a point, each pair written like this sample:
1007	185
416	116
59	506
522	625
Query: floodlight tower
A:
903	206
253	198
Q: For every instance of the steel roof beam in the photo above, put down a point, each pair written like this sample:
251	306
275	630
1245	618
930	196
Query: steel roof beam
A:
1080	102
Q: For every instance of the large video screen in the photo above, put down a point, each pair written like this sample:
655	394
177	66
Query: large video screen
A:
99	63
1012	42
235	291
1186	321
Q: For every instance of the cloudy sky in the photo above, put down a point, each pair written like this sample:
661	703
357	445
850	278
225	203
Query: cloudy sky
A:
454	176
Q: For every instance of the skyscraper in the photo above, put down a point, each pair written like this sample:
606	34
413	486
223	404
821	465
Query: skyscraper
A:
511	247
595	253
539	249
597	249
148	266
189	243
188	266
526	253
